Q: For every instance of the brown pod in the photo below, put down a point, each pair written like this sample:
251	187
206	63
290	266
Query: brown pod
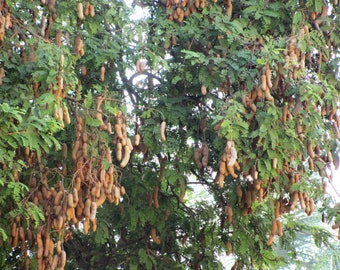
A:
62	260
55	262
270	240
58	197
229	248
155	197
203	90
126	157
87	9
80	13
40	246
230	214
274	227
87	208
154	236
162	131
239	192
182	194
92	11
93	211
119	150
102	74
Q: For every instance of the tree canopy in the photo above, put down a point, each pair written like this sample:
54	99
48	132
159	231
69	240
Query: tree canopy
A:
161	142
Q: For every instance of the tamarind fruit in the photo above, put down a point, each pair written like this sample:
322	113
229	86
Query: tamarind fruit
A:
155	197
102	74
203	90
154	236
162	131
80	13
229	248
270	240
126	157
62	259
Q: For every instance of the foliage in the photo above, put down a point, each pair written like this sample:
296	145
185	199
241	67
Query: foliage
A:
86	171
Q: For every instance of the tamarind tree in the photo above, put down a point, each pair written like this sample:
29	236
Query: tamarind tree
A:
112	128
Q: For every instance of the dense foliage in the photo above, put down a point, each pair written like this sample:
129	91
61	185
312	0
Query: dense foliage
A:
114	130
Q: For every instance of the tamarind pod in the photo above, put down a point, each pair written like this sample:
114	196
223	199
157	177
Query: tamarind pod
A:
70	213
222	168
162	131
129	144
310	150
46	246
70	200
203	90
221	180
87	208
55	262
248	198
126	157
268	77
58	247
279	228
122	190
154	236
62	260
229	248
92	11
39	246
231	171
117	193
64	151
93	211
58	197
182	193
260	195
270	240
14	229
274	227
197	158
75	149
237	166
94	225
239	192
295	199
229	9
101	199
119	133
155	196
140	66
230	214
268	96
233	157
21	236
80	13
87	9
253	107
302	201
136	139
119	151
66	115
102	74
277	209
86	226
